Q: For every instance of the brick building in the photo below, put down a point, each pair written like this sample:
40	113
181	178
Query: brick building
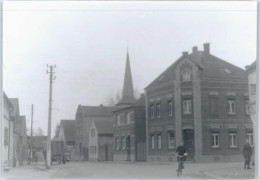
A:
129	132
201	100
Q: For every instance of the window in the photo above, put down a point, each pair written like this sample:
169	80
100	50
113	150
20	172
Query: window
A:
215	140
152	141
159	141
187	106
214	105
92	132
247	108
128	118
123	142
233	139
158	110
118	120
117	143
231	106
152	111
253	89
170	108
171	141
6	136
249	137
186	76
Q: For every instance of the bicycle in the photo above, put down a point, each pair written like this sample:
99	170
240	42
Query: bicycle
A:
180	166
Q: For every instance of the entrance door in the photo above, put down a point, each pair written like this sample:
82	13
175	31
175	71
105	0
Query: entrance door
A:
188	139
128	144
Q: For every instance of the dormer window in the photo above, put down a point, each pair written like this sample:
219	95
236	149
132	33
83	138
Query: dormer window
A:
186	76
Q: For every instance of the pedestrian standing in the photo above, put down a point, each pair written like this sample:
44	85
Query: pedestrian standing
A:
247	152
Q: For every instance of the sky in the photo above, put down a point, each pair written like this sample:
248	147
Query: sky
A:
87	41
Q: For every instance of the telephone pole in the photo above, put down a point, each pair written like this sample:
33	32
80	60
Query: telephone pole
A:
48	154
31	136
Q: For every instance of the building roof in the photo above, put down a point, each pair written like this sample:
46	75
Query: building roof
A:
6	99
69	129
128	90
138	103
15	103
96	110
104	127
19	123
209	65
251	67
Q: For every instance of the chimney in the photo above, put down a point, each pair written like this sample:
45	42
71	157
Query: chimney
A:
194	49
206	47
185	54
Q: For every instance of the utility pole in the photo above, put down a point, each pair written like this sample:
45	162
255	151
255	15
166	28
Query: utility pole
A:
48	154
31	136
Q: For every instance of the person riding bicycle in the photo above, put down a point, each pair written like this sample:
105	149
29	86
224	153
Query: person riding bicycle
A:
181	151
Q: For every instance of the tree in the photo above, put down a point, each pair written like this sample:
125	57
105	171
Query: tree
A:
39	132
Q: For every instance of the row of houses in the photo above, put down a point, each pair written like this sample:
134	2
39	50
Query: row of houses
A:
200	100
14	134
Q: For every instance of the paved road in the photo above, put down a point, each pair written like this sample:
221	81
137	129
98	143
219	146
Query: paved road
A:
133	170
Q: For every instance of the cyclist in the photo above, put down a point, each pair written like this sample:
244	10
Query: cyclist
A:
181	151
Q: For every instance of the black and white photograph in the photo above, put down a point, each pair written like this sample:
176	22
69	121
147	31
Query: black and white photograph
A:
129	89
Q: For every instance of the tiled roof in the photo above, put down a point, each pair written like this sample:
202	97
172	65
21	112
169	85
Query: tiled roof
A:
69	129
209	65
104	127
96	110
15	103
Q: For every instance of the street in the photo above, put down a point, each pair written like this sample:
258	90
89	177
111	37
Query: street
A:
133	170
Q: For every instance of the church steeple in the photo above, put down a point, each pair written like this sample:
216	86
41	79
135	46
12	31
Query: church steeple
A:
128	90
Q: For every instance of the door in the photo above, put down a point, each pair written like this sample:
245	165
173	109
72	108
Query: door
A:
128	144
188	140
